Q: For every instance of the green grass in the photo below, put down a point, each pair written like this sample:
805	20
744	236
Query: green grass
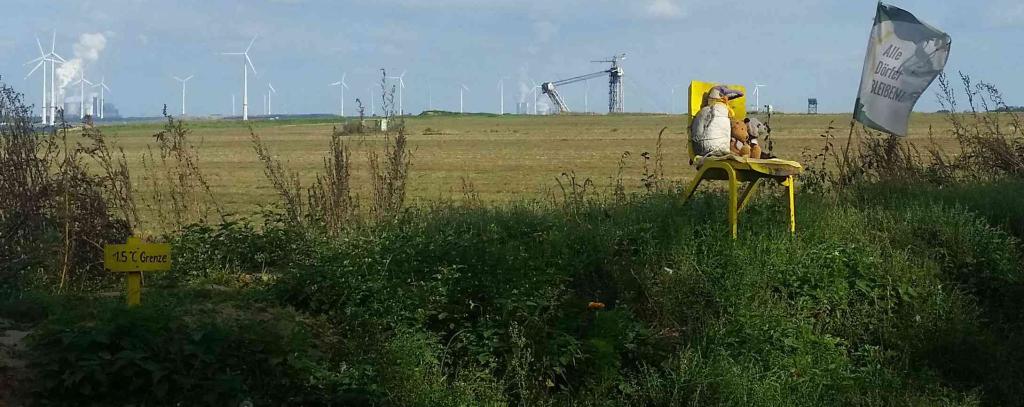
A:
912	300
504	159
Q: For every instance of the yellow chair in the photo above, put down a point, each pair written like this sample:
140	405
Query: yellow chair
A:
735	170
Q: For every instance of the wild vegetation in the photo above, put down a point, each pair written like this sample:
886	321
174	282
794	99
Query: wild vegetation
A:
903	286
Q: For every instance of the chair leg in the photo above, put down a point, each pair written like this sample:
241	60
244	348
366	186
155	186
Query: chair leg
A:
694	184
748	193
791	187
734	187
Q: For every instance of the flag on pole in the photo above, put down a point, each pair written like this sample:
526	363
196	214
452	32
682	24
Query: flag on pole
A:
904	57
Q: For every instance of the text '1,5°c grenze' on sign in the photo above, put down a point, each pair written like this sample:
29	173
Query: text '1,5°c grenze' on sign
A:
133	258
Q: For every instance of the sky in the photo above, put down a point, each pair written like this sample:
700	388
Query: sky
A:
797	48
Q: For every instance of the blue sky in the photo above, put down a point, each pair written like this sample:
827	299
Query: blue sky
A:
799	48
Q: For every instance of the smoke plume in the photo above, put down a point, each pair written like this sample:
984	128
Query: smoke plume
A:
87	50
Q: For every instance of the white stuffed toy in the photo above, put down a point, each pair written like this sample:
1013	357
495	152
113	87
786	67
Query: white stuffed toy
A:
711	130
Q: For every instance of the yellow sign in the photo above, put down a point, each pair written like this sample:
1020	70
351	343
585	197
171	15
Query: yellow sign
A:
136	256
133	258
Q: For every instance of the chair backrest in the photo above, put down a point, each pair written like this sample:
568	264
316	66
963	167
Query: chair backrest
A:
698	91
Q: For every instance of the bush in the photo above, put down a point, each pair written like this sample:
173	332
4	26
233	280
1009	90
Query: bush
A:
168	353
865	307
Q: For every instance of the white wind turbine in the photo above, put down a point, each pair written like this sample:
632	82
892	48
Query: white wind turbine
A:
343	86
103	95
270	98
183	81
757	96
246	66
81	83
49	106
536	95
401	86
501	95
461	89
41	62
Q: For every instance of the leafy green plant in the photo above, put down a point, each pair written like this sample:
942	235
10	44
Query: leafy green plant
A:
166	354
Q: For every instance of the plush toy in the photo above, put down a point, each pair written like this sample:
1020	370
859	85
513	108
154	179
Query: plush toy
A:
738	144
711	125
758	131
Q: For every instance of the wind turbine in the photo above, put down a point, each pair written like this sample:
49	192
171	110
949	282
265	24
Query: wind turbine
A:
42	60
536	95
757	95
246	66
81	83
401	85
49	108
461	89
343	86
501	90
183	94
270	98
373	109
103	96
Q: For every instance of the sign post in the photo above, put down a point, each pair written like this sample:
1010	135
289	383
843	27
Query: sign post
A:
133	258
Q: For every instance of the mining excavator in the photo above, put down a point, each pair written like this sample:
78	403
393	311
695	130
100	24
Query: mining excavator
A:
614	74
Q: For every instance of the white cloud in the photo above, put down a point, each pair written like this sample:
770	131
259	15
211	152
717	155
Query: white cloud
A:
90	45
665	9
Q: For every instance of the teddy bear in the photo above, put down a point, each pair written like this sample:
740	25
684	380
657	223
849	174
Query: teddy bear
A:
739	144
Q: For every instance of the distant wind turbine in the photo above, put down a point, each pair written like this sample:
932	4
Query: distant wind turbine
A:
103	95
270	98
373	109
536	95
343	86
461	89
49	107
183	95
757	96
501	95
401	87
246	66
81	83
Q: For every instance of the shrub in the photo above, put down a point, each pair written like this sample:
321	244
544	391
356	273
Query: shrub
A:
166	353
56	213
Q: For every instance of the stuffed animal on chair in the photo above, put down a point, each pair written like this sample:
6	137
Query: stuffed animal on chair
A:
710	128
738	144
757	131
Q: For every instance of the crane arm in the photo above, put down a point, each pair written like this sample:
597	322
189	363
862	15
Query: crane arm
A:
581	78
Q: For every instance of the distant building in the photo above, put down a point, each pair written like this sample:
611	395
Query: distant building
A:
110	111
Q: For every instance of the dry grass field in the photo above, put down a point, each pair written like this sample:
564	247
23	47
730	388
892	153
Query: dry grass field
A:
504	158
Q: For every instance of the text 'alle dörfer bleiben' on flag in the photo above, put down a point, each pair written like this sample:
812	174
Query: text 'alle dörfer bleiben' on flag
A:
904	57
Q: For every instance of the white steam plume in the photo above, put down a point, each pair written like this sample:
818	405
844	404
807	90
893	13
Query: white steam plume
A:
87	50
